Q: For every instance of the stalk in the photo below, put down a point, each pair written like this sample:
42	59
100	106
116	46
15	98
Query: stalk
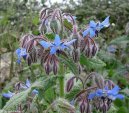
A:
11	66
61	85
61	80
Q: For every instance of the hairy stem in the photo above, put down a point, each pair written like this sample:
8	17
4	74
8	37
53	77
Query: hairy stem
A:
61	80
61	85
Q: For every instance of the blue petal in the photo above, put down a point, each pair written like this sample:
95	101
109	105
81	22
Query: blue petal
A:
28	83
63	46
35	91
111	49
57	40
105	23
86	32
45	44
23	87
114	91
93	24
91	95
120	96
92	33
8	95
72	102
23	52
53	50
18	51
99	93
106	88
70	42
18	61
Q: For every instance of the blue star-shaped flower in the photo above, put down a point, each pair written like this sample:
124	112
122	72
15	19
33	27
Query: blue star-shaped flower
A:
27	85
56	45
111	94
94	28
21	52
8	95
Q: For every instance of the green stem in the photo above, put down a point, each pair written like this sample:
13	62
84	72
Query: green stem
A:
32	74
61	85
11	66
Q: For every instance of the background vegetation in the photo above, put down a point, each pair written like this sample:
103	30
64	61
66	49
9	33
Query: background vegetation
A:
18	17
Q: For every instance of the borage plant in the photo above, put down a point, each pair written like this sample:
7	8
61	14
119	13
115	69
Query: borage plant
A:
58	49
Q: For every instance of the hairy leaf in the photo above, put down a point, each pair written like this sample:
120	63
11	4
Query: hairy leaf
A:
120	40
16	100
92	63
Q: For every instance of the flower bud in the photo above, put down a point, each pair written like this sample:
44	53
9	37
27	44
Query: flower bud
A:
76	55
70	84
47	68
28	59
83	107
55	68
43	27
99	82
94	50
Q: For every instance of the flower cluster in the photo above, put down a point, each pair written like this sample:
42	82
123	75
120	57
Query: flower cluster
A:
60	36
102	94
106	93
20	86
54	22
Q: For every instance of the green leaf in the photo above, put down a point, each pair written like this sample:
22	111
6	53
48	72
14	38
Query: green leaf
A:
16	100
67	24
106	56
44	83
70	63
63	106
126	91
72	93
35	20
118	102
92	63
49	95
120	40
122	110
50	36
112	109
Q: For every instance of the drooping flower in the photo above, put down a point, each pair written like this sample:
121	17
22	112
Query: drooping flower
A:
56	45
28	85
94	28
111	49
21	52
111	94
8	95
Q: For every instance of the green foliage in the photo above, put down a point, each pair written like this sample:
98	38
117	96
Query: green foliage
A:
19	17
70	96
120	40
92	63
19	98
70	64
68	25
50	36
122	109
63	106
